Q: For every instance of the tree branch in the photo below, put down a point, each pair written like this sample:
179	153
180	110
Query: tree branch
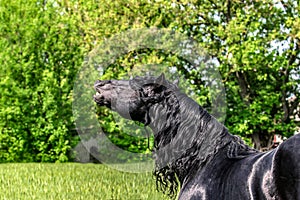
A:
243	86
293	56
286	73
228	12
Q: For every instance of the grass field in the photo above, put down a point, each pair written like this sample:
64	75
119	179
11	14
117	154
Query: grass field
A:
74	181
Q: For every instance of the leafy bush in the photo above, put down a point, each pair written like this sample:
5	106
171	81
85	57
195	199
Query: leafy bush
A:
39	59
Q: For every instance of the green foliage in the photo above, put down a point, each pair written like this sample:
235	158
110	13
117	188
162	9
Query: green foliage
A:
43	44
257	46
74	181
39	59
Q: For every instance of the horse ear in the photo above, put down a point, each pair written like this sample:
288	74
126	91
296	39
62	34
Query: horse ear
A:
176	82
161	79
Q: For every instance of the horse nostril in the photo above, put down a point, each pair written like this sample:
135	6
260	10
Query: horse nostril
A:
97	82
101	83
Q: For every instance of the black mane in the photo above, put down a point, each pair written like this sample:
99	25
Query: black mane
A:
187	153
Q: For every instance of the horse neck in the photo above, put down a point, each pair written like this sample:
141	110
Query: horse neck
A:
180	115
185	134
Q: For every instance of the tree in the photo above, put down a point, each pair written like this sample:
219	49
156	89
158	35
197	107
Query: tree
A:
39	58
257	46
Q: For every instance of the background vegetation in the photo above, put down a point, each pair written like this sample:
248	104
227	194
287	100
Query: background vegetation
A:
43	44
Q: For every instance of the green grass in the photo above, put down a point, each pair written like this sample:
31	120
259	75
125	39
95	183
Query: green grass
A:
74	181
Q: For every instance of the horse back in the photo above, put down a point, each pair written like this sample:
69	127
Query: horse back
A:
273	175
287	168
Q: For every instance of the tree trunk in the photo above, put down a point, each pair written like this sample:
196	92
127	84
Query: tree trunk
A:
262	142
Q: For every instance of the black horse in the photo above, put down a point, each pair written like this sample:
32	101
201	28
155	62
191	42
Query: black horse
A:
195	152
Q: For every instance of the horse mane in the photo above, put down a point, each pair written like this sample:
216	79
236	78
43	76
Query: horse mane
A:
186	137
190	126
